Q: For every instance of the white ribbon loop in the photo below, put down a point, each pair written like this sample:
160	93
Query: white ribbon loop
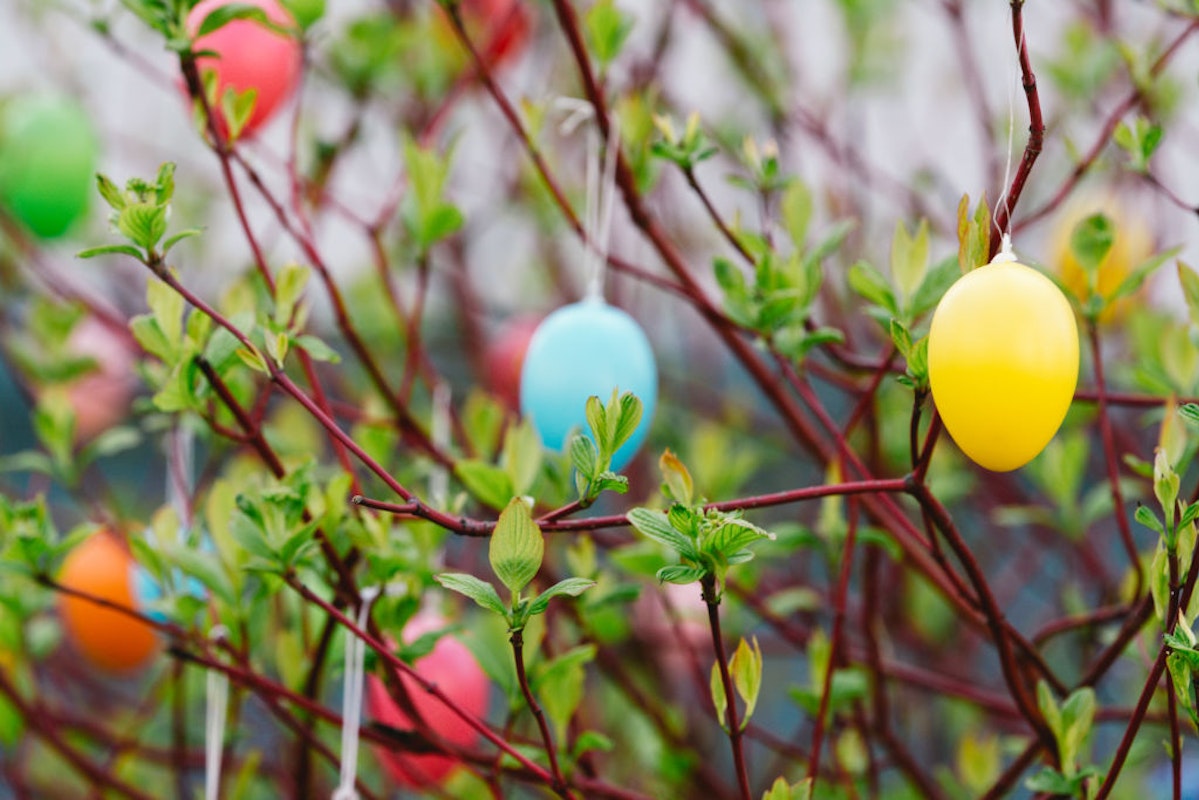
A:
214	723
352	700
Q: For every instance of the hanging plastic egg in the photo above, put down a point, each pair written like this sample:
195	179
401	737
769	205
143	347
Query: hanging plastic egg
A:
250	55
504	358
109	640
580	350
1003	362
48	152
454	669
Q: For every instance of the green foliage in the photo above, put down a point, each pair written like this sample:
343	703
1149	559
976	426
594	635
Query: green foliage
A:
1139	140
685	151
607	28
974	234
611	425
428	217
516	553
745	669
706	540
140	214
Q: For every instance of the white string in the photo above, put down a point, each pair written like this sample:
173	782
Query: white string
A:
180	473
600	196
439	476
1005	250
352	700
1011	136
603	231
591	212
214	723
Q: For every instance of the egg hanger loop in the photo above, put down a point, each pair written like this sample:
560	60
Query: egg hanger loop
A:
439	433
351	704
217	702
180	449
600	191
606	203
1005	253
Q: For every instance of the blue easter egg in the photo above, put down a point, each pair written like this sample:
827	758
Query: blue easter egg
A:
149	593
580	350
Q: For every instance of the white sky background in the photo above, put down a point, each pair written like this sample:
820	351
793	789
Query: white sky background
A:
923	119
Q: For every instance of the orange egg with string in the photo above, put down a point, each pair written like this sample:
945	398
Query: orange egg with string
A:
106	638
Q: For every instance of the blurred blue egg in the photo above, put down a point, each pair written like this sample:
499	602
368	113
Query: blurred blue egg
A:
149	594
584	349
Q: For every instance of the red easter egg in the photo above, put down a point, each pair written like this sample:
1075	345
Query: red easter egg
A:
452	667
504	357
499	28
251	56
507	24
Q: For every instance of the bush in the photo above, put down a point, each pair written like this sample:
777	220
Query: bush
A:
274	433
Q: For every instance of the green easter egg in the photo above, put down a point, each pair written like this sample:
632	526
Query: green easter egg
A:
48	154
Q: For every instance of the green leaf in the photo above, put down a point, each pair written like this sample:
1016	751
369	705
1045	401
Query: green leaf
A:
936	282
1159	582
1190	292
628	417
522	456
480	591
1078	714
1049	708
289	288
237	108
109	191
164	183
317	348
111	249
656	526
676	479
585	458
746	670
1133	281
1052	782
1182	675
110	442
870	284
167	307
796	210
560	684
901	338
719	699
909	259
517	547
1146	517
680	574
222	15
569	586
143	224
974	234
1139	140
1090	242
734	535
597	421
489	483
607	28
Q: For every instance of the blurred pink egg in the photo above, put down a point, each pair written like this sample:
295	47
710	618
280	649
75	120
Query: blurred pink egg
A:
452	667
100	398
251	56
